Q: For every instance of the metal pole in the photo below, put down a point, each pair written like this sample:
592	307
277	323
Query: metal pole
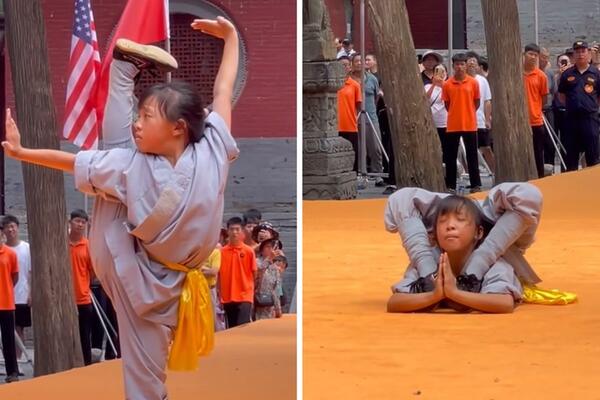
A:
450	35
97	308
362	139
168	49
536	18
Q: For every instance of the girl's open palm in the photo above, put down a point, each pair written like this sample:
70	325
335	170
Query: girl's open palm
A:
219	28
12	144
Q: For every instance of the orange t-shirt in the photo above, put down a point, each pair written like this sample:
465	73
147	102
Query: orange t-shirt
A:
81	264
536	87
347	97
462	114
236	276
8	266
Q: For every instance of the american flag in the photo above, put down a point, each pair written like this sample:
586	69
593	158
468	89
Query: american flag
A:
81	121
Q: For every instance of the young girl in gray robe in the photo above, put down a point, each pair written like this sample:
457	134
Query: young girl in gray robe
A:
159	204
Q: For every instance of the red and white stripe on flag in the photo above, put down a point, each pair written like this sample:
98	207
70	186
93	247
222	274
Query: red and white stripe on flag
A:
81	120
143	24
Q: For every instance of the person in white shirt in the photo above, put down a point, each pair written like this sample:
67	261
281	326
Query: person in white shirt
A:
484	112
346	49
434	94
10	228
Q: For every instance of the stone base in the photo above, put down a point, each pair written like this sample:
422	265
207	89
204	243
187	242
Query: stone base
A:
327	156
332	187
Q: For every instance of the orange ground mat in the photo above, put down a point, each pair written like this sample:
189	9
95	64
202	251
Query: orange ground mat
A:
255	361
353	349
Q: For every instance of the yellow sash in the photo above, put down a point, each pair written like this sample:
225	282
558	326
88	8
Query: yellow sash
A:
535	295
195	332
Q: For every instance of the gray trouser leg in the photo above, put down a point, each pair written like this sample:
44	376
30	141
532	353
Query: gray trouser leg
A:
508	227
373	148
144	344
120	106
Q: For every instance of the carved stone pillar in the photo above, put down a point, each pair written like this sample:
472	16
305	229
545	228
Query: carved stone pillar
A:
327	158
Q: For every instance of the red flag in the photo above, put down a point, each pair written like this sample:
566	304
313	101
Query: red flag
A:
80	119
147	23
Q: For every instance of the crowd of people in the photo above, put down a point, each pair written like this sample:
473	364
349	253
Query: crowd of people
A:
244	274
248	282
562	107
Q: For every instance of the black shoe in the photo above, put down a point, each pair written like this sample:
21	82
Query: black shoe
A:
475	189
379	182
144	56
468	283
14	377
389	189
423	284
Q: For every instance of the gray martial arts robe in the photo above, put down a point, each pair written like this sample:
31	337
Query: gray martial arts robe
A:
513	208
146	207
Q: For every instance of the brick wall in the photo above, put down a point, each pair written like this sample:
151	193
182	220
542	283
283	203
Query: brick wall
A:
428	20
560	23
267	106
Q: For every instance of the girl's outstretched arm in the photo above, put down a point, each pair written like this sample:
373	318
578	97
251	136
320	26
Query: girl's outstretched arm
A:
410	302
55	159
225	80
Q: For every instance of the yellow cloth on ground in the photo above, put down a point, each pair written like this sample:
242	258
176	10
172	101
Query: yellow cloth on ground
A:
535	295
194	335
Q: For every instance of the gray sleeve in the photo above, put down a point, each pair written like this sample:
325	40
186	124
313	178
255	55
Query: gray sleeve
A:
404	214
219	138
103	172
501	279
403	285
515	209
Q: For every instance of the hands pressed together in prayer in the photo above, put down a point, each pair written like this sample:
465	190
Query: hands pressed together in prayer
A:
445	281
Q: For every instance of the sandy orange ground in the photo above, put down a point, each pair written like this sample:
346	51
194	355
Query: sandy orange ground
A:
255	361
353	349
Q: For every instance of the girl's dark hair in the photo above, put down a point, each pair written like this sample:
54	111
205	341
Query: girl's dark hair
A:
456	204
178	100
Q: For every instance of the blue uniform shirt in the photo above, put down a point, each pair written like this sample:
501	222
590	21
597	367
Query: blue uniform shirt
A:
581	89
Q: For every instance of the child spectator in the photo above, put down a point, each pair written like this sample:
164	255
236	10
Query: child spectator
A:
9	275
536	89
250	219
10	228
82	274
236	276
461	96
268	283
281	263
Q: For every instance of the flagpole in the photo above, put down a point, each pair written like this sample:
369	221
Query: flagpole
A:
168	48
168	25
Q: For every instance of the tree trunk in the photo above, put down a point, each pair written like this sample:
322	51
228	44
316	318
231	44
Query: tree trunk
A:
513	144
417	149
56	334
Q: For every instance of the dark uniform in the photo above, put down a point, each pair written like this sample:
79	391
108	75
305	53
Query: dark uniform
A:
581	124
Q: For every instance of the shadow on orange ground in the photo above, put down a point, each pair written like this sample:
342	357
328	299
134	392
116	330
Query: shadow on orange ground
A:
255	361
354	349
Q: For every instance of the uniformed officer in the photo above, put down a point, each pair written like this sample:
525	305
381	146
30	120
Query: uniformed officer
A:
579	90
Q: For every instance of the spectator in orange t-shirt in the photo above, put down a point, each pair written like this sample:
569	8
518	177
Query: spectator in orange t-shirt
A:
81	264
9	274
349	98
536	89
461	97
236	276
